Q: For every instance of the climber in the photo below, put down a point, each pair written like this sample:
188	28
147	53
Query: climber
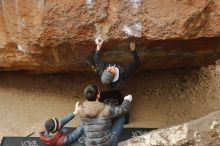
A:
53	136
112	75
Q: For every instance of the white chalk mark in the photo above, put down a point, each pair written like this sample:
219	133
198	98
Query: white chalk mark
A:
155	139
102	30
135	3
21	23
215	123
177	134
98	30
127	30
2	2
21	48
17	10
89	3
40	4
2	46
197	136
20	20
134	29
170	136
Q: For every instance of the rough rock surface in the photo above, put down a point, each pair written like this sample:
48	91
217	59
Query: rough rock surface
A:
204	131
57	35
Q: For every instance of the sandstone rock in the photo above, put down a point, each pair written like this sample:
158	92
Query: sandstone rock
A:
204	131
56	36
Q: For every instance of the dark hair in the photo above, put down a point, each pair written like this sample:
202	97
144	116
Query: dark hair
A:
52	125
91	92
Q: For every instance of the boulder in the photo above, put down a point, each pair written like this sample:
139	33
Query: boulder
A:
204	131
57	36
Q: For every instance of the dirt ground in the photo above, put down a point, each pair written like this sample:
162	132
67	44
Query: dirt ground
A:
160	98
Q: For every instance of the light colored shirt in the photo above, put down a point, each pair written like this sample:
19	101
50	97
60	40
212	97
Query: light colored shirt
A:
116	75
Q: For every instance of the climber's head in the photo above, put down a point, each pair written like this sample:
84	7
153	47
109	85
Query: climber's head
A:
108	75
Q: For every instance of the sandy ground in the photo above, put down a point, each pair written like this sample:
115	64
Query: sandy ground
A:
160	98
